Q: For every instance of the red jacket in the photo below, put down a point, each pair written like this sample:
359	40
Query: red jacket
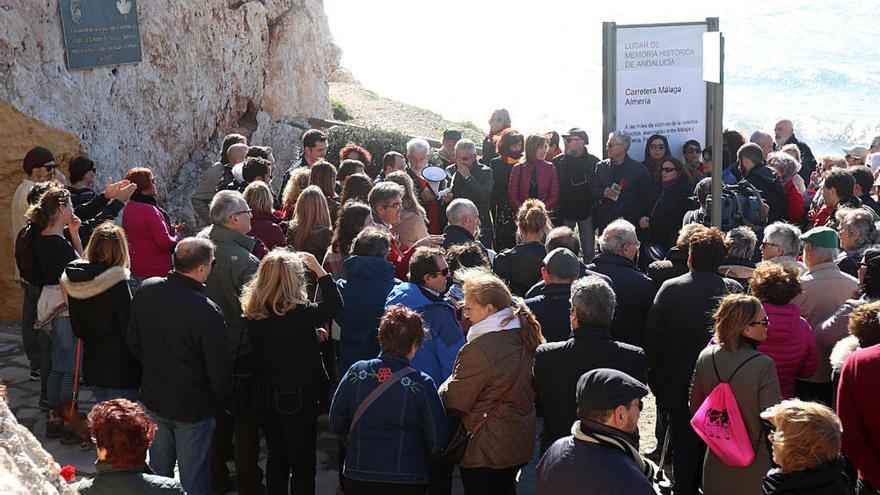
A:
150	239
399	254
858	405
264	228
521	177
791	344
795	208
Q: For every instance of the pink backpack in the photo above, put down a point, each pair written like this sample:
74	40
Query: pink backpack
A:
719	423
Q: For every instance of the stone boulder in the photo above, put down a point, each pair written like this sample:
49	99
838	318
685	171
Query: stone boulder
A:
209	68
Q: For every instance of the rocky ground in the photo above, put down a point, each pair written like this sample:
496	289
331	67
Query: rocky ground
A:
369	109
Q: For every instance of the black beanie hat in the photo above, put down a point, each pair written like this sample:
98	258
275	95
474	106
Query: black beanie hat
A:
37	157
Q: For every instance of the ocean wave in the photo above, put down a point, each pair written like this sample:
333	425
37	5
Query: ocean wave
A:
803	77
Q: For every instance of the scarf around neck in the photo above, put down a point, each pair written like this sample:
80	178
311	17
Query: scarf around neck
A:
500	320
511	158
599	434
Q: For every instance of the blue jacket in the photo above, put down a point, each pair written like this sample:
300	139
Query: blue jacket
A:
399	434
367	284
552	307
593	468
437	355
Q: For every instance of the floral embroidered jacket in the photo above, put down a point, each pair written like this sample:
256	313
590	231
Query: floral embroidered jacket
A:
399	433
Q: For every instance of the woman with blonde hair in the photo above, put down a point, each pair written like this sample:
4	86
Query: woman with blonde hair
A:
264	223
520	266
323	175
491	387
282	327
806	440
740	326
413	219
299	180
310	228
99	302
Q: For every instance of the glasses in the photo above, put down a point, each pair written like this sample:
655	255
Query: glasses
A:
248	211
770	244
611	145
570	139
641	405
49	167
444	272
692	150
658	147
213	262
667	169
395	206
765	322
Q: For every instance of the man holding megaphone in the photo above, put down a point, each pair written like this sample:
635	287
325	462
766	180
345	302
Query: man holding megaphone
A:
431	191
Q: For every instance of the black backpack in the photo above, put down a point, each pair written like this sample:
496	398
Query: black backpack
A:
741	205
24	252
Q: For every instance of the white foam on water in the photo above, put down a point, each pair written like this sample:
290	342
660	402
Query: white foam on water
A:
816	63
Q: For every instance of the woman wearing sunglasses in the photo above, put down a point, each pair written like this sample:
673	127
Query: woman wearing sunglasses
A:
740	326
674	201
656	154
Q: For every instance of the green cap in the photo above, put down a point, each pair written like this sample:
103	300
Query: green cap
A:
825	237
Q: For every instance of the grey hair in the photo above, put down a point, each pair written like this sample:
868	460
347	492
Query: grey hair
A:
757	137
621	136
460	208
785	235
616	235
224	205
741	243
417	144
825	254
383	192
860	222
466	145
785	164
593	301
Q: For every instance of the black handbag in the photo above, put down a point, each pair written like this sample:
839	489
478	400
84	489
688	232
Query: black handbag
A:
461	436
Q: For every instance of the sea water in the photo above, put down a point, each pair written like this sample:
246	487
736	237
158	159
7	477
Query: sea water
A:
816	63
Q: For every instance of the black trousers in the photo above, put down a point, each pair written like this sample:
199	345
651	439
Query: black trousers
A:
290	424
689	451
487	481
816	392
358	487
863	488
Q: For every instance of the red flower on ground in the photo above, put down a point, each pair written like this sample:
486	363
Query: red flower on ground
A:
68	472
383	374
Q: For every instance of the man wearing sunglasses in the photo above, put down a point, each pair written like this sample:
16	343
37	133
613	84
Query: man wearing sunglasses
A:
425	293
575	169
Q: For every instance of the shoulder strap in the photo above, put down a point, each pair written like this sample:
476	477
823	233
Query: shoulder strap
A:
729	379
368	401
488	415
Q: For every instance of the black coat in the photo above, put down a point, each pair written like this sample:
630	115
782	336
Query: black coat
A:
678	328
636	197
808	161
559	365
674	265
827	479
552	308
454	235
489	153
576	195
538	289
99	301
772	191
634	291
286	347
179	336
669	210
520	266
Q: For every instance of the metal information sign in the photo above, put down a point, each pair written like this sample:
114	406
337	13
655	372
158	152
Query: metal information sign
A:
100	32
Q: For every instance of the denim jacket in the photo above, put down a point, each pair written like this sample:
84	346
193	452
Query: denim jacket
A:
399	433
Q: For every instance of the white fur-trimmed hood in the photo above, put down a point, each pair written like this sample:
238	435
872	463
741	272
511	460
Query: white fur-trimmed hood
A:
842	350
98	285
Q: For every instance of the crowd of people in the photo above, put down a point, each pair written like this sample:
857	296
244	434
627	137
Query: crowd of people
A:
501	311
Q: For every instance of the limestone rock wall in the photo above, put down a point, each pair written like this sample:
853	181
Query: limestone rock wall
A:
209	67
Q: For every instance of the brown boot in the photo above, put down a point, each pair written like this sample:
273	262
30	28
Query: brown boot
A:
79	424
54	424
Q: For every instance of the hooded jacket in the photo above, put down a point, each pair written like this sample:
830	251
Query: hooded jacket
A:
772	191
368	282
436	356
99	303
791	344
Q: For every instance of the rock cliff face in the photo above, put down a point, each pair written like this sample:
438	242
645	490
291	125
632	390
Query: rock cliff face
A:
209	67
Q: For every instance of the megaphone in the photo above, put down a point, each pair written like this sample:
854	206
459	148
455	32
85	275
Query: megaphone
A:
435	177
